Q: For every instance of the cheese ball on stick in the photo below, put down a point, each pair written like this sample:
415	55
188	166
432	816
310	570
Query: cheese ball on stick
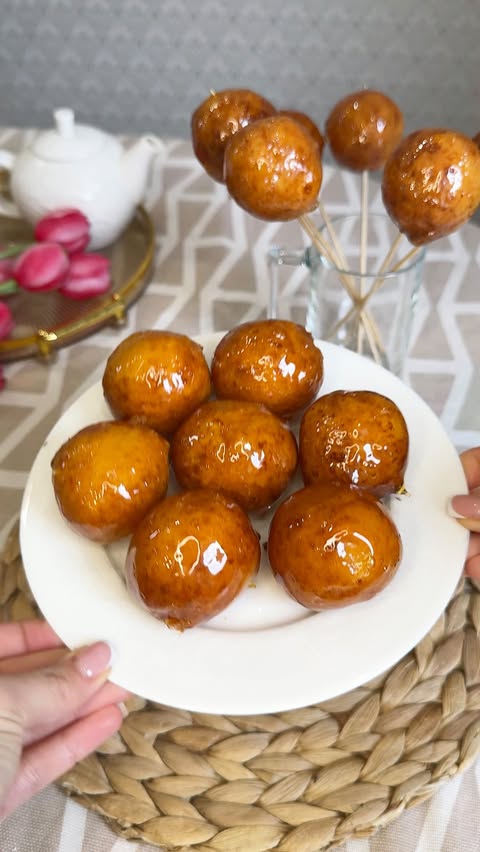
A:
363	129
273	169
431	184
220	116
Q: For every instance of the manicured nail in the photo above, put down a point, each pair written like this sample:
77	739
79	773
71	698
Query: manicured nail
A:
464	506
94	660
123	709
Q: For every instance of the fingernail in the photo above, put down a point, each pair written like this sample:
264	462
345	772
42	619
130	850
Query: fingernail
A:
123	709
93	660
464	506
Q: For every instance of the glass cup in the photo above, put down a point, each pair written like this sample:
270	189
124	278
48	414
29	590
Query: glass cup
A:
370	312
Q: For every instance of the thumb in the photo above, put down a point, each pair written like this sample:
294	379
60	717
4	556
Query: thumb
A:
33	704
42	701
466	509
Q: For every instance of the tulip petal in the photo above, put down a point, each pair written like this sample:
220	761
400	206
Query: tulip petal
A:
43	266
6	320
88	264
6	268
89	275
70	228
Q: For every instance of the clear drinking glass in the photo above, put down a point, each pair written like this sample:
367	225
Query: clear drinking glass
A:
381	327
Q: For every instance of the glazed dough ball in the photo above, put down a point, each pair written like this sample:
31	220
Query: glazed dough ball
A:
363	129
273	169
306	122
239	448
356	437
274	362
431	184
332	545
108	476
218	118
157	378
191	556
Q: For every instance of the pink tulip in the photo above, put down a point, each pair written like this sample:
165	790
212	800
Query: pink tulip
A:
70	228
89	275
42	266
6	268
6	320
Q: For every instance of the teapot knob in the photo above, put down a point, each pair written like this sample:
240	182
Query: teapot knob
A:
65	122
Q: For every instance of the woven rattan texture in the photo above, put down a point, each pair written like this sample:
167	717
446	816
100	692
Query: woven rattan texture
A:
300	781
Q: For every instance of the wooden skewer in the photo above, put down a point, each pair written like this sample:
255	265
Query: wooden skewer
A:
343	263
324	248
390	254
380	279
363	248
383	269
376	284
333	236
364	224
406	258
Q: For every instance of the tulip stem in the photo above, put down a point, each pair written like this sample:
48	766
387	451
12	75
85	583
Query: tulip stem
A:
8	287
13	249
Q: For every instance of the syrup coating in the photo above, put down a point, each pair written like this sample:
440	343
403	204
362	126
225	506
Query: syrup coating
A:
108	476
306	122
191	556
274	362
331	545
356	437
363	129
157	378
239	448
431	184
218	118
273	169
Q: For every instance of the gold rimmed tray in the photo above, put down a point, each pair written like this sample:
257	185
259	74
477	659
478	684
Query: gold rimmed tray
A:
45	322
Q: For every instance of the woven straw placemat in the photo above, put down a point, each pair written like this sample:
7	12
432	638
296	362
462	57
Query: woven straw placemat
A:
300	781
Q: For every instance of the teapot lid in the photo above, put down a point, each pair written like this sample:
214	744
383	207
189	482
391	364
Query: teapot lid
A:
67	141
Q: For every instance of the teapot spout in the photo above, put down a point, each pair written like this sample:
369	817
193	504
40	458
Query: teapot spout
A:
138	163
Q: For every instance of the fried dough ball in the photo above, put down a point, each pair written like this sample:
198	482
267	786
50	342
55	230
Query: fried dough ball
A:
157	378
274	362
431	184
108	476
239	448
476	139
273	169
332	545
218	118
191	556
363	129
356	437
306	122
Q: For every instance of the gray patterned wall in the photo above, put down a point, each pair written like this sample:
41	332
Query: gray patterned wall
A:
134	65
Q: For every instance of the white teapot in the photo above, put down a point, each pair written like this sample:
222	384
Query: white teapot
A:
74	165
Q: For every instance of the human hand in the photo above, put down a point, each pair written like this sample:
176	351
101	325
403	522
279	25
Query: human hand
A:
55	708
466	508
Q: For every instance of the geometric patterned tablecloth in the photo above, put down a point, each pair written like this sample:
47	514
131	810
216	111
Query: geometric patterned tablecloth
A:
211	273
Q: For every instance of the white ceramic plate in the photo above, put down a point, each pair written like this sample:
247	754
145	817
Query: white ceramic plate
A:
264	653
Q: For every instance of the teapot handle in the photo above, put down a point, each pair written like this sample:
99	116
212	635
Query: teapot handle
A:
7	208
